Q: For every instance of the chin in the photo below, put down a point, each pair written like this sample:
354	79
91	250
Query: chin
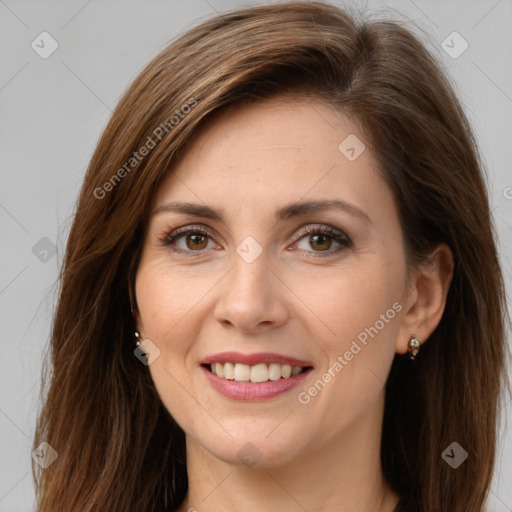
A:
262	448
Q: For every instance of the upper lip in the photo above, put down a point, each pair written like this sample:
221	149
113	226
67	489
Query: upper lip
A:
253	359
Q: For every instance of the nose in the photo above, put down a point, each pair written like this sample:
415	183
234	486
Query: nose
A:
252	297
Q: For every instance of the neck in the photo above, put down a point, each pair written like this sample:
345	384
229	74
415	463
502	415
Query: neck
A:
340	476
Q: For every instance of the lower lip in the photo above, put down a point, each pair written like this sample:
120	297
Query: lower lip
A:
253	391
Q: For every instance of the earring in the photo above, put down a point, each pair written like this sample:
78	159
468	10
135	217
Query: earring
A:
414	346
137	337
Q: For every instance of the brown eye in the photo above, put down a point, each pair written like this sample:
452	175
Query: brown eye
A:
319	239
321	242
188	240
196	241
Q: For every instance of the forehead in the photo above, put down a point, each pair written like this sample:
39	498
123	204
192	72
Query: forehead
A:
275	152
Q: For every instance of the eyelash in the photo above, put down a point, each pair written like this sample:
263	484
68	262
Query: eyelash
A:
336	235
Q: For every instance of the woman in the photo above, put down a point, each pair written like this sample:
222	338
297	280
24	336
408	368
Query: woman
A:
206	356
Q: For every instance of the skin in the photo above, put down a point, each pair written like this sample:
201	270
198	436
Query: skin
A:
293	299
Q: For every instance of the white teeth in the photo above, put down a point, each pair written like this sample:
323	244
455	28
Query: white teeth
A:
242	372
286	371
296	370
274	371
229	371
257	373
219	369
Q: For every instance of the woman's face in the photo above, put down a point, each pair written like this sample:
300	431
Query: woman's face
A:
245	274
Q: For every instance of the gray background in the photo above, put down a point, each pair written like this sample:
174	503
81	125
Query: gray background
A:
53	111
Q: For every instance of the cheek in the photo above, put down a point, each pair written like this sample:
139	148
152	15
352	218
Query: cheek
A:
357	317
350	301
362	311
165	298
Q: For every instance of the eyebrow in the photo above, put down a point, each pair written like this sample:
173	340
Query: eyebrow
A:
286	212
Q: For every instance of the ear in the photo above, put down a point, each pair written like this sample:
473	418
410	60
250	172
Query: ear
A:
428	286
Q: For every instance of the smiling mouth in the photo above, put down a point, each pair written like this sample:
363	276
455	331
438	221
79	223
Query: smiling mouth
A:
262	372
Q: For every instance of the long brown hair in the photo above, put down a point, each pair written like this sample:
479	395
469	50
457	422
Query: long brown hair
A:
118	447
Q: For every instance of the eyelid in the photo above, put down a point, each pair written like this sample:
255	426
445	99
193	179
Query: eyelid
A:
188	228
338	235
322	229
